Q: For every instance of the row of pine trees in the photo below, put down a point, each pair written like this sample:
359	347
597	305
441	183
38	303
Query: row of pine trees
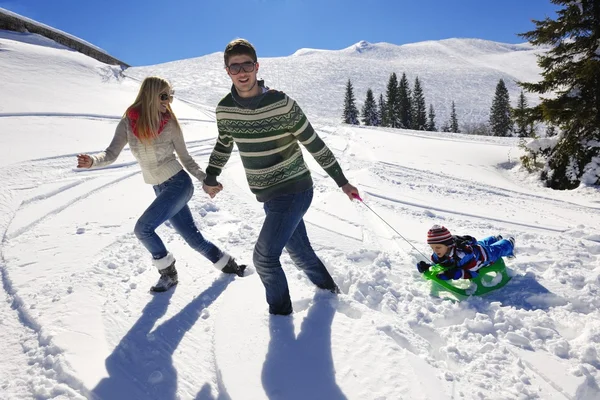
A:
570	81
401	108
405	108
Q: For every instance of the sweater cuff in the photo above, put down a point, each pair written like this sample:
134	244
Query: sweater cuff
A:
211	180
340	179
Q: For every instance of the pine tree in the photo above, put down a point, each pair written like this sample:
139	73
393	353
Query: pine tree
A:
393	102
382	111
453	125
431	119
500	119
405	103
420	109
571	72
369	111
522	122
350	111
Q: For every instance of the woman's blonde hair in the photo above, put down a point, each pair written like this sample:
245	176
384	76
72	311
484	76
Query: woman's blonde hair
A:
147	103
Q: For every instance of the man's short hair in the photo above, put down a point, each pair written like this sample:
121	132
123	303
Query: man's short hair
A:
239	47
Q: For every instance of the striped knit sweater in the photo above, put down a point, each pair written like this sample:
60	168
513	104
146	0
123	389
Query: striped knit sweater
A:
267	137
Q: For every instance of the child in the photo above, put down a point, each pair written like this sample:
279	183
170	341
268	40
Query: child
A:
464	255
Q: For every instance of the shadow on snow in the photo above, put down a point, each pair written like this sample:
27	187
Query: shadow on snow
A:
141	365
302	367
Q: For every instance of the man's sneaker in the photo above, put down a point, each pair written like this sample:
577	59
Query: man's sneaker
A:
333	289
499	237
233	268
512	242
168	279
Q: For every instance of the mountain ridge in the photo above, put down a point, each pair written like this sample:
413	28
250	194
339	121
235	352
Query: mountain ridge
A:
465	71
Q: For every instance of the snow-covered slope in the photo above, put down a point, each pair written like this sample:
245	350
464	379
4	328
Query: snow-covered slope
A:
462	70
78	321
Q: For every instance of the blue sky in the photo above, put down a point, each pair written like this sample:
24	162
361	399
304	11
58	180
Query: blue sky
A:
145	32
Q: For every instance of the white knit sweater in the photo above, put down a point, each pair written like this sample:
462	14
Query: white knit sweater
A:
157	159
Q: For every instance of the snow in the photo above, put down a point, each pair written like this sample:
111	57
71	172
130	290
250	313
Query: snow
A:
317	78
541	144
78	321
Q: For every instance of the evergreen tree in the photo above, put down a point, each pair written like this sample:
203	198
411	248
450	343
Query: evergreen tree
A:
571	72
405	103
500	120
453	124
431	119
420	109
350	111
369	111
382	111
523	124
393	102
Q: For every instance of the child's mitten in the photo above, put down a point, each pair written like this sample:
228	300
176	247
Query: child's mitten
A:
422	266
454	273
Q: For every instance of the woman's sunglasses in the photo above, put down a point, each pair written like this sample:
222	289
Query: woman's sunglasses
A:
166	96
236	68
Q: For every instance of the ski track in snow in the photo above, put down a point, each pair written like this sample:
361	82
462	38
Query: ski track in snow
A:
481	348
120	273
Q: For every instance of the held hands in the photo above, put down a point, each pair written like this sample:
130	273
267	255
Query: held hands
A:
350	191
212	190
84	161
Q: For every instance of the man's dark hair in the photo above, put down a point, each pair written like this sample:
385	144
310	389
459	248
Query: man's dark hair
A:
239	47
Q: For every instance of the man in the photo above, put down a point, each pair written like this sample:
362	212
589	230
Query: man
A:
266	125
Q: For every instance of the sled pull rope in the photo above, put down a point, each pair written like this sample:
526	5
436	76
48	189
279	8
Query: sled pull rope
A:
356	196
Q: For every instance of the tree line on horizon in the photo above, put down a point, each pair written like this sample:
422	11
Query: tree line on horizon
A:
405	108
569	114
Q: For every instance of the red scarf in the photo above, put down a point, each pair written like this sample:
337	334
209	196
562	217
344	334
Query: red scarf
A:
133	114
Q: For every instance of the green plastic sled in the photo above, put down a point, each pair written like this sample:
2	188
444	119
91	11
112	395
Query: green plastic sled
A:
490	278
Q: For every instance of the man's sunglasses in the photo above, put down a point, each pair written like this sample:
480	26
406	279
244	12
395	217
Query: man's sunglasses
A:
236	68
166	96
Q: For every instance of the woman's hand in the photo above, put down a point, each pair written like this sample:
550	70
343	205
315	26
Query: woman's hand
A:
84	161
212	190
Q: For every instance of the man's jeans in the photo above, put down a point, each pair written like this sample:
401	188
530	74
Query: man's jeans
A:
170	204
284	227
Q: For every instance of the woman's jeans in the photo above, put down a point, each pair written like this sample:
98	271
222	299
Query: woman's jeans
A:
284	227
170	204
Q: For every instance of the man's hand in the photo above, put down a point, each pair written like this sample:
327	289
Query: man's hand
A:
84	161
212	190
350	191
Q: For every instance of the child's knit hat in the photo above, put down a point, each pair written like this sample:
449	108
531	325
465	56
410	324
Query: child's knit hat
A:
439	235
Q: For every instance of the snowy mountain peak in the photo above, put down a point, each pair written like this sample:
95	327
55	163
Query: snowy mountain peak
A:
362	46
465	71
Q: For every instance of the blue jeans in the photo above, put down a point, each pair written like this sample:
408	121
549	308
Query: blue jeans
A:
170	204
284	227
496	248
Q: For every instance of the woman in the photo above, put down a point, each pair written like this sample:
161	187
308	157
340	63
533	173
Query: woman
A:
153	133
